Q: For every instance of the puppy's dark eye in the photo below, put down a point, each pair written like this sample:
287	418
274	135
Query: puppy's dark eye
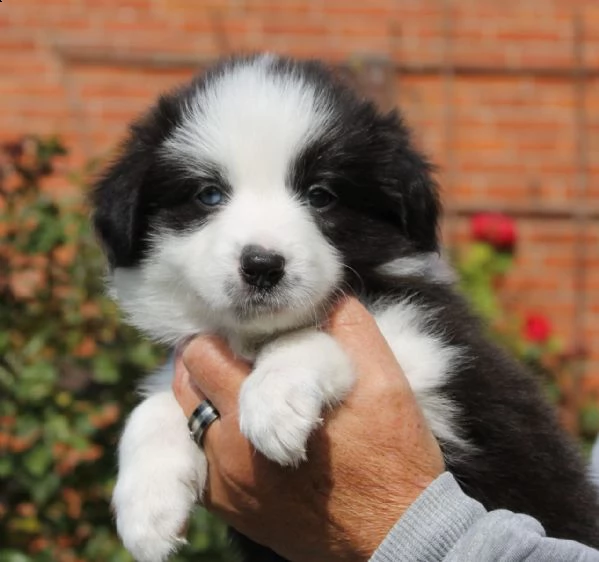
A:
321	198
211	196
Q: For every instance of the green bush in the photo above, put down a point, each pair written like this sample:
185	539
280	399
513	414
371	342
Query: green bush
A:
482	267
68	370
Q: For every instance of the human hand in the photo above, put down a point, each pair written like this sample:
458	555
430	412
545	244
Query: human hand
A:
371	459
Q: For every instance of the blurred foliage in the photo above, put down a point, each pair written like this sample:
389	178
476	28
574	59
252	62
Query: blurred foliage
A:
68	369
482	267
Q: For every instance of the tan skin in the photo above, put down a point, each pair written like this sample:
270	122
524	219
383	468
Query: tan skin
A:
369	461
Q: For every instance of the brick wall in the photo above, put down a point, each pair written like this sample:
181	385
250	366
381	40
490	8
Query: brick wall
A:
493	90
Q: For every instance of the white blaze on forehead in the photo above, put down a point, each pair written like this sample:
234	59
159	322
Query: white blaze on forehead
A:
250	121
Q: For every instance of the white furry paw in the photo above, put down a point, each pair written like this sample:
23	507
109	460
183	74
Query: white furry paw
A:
278	418
151	512
281	402
161	476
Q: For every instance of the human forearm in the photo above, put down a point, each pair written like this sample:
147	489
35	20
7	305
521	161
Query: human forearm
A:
444	524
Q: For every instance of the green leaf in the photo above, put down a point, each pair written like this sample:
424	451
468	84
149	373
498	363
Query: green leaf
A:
552	392
43	488
35	344
14	556
37	460
58	427
589	419
503	262
36	381
105	370
6	466
4	341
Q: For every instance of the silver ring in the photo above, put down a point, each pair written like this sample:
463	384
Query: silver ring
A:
199	421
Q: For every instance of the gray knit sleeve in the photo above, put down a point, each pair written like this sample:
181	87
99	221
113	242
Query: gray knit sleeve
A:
444	524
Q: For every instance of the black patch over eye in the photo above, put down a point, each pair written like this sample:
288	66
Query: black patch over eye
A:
321	198
211	196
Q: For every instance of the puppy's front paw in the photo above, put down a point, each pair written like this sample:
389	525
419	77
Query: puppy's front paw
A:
278	409
281	401
161	476
276	415
152	506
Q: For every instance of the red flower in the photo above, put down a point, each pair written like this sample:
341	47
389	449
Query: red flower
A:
495	229
537	328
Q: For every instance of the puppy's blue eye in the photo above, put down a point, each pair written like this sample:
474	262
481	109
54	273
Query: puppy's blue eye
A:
211	196
320	197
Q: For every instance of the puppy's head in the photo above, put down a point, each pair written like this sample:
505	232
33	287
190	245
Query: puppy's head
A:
244	201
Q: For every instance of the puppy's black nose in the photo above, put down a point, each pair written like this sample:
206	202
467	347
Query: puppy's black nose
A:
260	267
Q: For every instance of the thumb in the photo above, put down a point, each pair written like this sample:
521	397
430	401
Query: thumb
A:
216	371
357	332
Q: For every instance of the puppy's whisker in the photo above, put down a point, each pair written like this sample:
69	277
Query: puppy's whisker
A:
357	276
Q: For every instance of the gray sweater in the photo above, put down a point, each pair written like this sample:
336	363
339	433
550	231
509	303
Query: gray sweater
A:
444	524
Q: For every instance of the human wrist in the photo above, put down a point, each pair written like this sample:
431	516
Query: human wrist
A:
432	525
378	514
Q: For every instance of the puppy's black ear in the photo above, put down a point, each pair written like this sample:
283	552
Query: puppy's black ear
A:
116	205
117	200
415	192
421	206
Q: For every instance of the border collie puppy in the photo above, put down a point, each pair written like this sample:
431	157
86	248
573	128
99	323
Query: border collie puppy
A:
244	204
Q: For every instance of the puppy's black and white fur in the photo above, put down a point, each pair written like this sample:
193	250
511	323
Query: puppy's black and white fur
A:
244	204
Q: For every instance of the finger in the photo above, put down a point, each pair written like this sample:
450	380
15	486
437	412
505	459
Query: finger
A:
349	314
187	394
357	332
216	371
